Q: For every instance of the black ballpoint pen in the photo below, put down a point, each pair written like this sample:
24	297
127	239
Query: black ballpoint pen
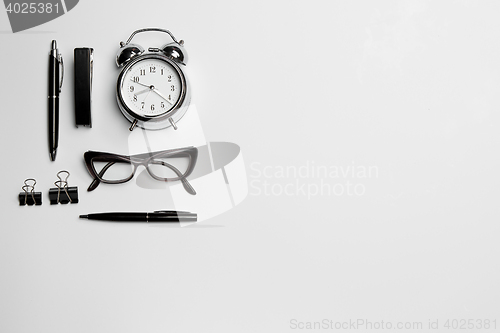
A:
55	63
157	216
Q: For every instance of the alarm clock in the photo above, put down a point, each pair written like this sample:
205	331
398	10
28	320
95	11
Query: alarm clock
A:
152	90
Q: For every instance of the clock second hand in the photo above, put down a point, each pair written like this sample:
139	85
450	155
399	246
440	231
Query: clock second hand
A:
144	100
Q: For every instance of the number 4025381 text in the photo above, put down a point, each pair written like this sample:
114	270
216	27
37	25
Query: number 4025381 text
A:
32	8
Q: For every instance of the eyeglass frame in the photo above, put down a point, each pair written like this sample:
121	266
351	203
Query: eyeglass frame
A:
137	160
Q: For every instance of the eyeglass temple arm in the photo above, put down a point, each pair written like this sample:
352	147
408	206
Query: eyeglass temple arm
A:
96	181
183	179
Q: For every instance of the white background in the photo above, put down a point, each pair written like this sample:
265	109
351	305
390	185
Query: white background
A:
408	87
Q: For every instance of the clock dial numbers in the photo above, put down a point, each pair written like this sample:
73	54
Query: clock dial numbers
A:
151	87
167	98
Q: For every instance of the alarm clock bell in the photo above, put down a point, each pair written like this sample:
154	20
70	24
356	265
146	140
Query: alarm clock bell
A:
127	52
175	51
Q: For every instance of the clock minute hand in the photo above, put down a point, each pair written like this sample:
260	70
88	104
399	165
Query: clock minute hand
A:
162	96
142	84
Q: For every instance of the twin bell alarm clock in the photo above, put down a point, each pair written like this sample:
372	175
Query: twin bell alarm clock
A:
152	90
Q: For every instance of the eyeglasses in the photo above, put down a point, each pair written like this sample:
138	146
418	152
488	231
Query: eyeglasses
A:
167	165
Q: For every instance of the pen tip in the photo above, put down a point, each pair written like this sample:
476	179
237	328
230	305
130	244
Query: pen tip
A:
53	155
84	216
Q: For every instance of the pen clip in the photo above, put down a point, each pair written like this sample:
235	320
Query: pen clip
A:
91	67
171	211
60	60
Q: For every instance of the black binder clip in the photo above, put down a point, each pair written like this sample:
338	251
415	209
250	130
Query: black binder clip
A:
29	196
62	193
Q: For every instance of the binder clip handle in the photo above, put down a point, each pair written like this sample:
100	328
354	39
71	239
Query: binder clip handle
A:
69	194
29	196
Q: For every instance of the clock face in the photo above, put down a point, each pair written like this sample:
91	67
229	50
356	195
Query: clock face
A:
151	87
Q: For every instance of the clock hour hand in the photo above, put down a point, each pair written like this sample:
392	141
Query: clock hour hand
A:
142	91
162	96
